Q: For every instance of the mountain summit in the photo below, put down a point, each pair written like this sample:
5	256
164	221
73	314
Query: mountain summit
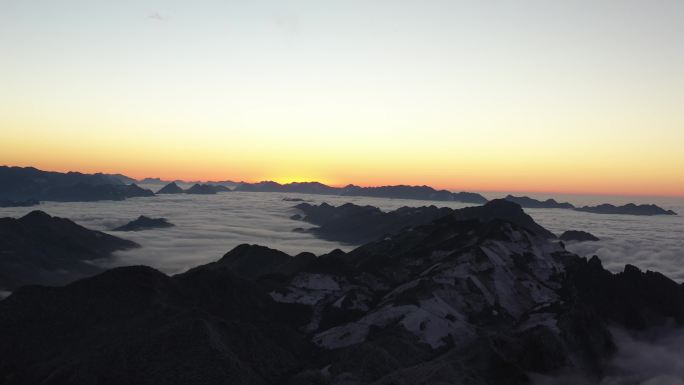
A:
481	296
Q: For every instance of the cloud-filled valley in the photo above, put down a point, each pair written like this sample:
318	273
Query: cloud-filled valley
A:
207	226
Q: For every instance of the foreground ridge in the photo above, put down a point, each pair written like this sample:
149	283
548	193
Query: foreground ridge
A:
39	248
480	296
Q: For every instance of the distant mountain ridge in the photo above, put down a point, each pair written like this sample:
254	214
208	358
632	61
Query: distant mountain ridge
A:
24	185
171	188
227	183
395	192
628	209
206	189
29	183
528	202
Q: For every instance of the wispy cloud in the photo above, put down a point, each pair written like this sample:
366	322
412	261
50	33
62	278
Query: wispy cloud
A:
156	16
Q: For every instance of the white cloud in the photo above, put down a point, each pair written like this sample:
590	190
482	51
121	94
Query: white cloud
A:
647	358
207	226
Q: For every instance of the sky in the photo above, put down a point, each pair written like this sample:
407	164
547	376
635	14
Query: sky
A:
540	96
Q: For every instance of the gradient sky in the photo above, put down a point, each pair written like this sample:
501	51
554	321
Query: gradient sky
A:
553	96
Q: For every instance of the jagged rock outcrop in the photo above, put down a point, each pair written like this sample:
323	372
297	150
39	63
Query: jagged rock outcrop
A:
41	249
632	299
628	209
144	223
578	236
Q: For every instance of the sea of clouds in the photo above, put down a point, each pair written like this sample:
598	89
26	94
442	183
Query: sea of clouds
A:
653	357
208	226
650	243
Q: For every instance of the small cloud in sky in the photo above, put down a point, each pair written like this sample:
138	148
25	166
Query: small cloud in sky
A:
156	16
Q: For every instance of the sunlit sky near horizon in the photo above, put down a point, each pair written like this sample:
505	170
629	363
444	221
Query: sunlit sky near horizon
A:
557	96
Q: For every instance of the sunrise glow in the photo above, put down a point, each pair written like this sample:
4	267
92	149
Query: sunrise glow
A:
554	99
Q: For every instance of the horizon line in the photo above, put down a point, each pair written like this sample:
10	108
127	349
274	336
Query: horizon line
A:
341	185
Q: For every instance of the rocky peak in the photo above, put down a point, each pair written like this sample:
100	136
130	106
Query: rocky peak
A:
171	188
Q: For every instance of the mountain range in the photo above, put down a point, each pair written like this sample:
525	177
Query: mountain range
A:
395	192
22	186
482	295
28	183
627	209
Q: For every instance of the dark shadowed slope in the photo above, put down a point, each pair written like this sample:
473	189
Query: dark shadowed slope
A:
355	224
38	248
501	209
358	224
473	298
135	325
632	299
144	223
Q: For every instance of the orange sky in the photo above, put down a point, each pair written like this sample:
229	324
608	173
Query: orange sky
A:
567	97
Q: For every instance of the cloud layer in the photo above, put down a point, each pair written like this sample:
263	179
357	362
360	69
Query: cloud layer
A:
207	226
648	358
